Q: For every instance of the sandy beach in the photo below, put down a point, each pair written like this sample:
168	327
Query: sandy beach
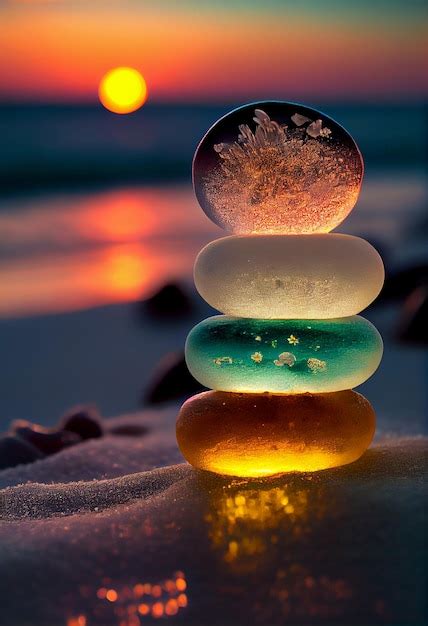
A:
119	516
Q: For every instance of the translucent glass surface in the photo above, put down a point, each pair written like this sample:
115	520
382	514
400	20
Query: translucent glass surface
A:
287	356
294	276
277	167
260	435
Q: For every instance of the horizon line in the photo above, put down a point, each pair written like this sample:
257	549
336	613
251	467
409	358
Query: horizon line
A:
400	100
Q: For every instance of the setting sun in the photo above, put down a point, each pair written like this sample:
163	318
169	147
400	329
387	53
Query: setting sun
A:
122	90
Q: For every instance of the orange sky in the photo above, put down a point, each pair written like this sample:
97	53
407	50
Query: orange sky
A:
60	52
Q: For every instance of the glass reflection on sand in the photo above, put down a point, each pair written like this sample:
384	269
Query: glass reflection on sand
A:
243	522
132	604
256	529
260	531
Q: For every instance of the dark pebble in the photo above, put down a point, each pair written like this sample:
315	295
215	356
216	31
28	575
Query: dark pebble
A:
170	301
15	451
84	421
171	381
412	326
48	441
401	283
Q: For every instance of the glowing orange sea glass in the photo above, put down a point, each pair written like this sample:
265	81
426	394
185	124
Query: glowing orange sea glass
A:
277	167
255	435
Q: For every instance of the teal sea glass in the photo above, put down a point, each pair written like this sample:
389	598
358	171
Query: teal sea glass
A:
283	356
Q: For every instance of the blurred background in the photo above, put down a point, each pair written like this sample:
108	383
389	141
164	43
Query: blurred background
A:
99	226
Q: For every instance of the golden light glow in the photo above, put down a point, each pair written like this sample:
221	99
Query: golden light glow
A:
272	531
243	522
126	270
111	595
182	600
161	600
157	609
122	90
256	435
171	607
143	609
80	620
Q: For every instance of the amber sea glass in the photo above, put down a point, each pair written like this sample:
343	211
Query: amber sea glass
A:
254	435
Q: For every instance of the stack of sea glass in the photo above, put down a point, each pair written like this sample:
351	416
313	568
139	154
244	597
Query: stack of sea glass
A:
289	348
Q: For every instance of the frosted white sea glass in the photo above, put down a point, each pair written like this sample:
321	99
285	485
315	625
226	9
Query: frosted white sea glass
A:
289	276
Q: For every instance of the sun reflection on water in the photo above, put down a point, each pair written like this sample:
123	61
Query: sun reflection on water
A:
74	251
125	271
119	216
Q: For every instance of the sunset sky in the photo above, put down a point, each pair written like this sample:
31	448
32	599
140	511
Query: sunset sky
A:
55	50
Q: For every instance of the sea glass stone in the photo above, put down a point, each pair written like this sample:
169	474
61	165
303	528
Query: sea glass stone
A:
298	276
283	356
277	167
253	435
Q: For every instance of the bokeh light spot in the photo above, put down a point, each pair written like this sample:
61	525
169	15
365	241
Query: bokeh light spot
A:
111	595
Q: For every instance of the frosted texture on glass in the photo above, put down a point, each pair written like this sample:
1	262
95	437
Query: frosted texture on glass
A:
306	276
277	167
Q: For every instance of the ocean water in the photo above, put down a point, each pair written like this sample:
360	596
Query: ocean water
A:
69	146
97	212
66	251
